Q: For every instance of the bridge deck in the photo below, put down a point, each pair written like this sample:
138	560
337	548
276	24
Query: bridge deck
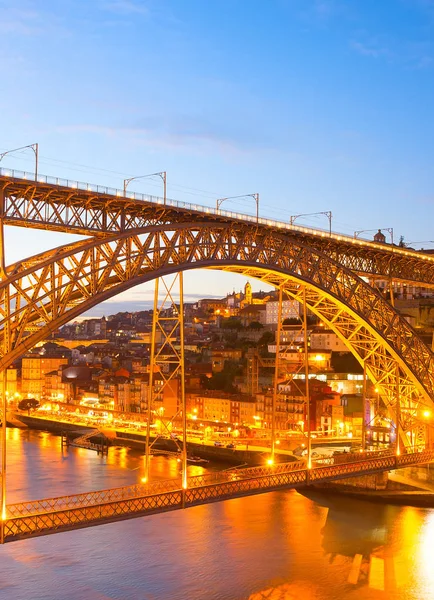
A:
52	515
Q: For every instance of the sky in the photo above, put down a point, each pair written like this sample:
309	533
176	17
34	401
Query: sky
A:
317	105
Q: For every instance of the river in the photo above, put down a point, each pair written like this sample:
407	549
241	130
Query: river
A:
275	546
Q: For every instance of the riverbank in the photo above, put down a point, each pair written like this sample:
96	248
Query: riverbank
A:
245	454
402	494
401	491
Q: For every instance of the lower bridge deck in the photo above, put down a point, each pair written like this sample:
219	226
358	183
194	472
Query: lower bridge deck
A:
52	515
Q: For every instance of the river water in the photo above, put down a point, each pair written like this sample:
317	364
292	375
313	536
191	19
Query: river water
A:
276	546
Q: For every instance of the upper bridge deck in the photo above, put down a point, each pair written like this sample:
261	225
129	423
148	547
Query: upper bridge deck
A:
93	210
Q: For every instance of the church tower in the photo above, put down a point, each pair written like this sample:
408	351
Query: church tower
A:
248	297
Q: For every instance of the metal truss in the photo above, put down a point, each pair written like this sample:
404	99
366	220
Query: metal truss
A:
167	364
41	294
385	366
97	211
50	289
53	515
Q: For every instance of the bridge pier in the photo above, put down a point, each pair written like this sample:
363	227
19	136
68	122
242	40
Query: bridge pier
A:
375	481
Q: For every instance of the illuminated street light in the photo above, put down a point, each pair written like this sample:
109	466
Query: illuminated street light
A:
255	197
35	149
327	213
161	174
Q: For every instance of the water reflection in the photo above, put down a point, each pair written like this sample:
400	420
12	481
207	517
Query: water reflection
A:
280	546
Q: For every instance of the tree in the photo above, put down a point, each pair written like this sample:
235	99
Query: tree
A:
292	321
231	323
28	404
223	380
255	325
266	338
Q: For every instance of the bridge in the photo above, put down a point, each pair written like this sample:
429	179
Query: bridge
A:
54	515
133	238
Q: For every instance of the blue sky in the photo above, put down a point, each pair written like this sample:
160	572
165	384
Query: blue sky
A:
317	105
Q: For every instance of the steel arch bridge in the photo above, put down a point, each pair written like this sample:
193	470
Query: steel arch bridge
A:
135	240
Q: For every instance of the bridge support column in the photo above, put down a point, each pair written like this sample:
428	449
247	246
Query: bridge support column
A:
2	236
3	457
182	383
306	374
276	376
364	408
398	413
166	369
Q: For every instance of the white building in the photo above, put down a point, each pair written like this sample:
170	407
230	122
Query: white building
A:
290	310
327	340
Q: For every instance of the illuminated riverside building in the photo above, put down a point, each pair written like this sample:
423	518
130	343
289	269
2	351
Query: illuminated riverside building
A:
291	405
33	372
132	394
212	405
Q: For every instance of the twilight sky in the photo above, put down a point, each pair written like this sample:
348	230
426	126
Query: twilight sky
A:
317	105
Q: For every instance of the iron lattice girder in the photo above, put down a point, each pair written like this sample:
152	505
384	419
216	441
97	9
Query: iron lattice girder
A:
366	345
45	206
48	290
51	515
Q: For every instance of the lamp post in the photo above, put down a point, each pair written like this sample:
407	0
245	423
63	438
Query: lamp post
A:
388	229
162	174
327	213
255	197
34	147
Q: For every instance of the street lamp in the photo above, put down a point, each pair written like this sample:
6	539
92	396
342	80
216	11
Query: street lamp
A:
161	174
35	149
254	196
327	213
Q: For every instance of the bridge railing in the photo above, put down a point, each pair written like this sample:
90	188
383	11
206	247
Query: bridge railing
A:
84	510
138	490
355	463
89	187
99	189
87	498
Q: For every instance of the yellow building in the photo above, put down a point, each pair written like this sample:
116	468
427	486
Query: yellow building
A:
33	371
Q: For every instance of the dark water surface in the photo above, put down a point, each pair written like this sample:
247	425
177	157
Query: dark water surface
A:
276	546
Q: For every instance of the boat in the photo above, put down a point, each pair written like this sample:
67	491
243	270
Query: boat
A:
196	460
